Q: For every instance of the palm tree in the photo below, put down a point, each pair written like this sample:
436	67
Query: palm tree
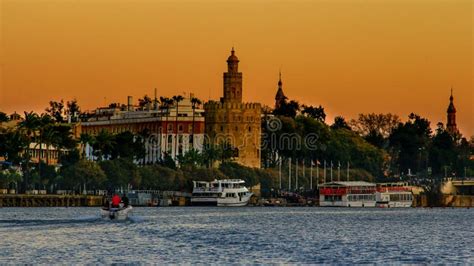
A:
194	102
45	121
30	125
104	144
165	104
176	100
49	138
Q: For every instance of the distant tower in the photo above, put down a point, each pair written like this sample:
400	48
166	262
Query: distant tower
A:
280	96
232	80
451	125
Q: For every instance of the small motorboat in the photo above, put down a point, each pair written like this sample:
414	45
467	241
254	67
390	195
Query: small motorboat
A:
120	213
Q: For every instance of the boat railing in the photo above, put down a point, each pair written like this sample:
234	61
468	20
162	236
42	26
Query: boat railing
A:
393	189
206	189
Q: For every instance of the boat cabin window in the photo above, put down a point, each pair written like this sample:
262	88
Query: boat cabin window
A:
332	198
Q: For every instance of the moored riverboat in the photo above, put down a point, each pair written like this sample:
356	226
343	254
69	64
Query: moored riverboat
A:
393	195
347	194
225	192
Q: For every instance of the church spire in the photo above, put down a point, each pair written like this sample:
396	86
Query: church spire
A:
451	126
279	81
280	96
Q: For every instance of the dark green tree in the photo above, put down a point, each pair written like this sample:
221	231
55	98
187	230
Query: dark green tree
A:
340	122
442	151
73	110
314	112
195	102
103	145
176	100
56	111
83	174
4	117
408	142
144	102
289	109
192	158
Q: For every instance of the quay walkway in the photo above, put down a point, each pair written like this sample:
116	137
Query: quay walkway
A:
26	200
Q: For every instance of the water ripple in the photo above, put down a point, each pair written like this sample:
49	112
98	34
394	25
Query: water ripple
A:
238	235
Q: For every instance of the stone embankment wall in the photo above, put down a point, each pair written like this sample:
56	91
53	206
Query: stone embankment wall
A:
445	201
22	200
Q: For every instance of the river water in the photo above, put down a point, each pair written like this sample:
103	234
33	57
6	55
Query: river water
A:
238	235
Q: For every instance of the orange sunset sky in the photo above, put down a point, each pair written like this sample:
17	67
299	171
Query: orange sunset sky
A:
350	56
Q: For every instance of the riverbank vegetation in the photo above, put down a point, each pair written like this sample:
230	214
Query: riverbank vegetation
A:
296	139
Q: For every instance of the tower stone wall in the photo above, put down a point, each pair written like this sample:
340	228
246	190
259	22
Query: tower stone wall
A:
232	121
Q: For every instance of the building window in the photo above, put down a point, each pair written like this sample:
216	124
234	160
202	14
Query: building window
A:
222	129
170	127
180	128
250	129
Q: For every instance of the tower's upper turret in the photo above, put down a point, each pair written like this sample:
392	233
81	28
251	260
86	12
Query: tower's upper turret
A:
233	62
232	80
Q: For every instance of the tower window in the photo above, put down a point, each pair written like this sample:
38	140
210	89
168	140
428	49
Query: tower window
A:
250	129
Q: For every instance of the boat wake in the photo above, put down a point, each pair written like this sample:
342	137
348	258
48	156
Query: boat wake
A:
136	219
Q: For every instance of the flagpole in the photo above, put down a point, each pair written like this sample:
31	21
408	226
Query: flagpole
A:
279	171
324	171
304	174
296	175
311	176
289	174
331	171
339	171
347	171
317	173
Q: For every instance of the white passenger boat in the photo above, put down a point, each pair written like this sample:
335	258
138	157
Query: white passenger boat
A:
393	195
121	213
347	194
225	192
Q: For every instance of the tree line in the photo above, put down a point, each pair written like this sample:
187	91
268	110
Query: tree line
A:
381	144
374	146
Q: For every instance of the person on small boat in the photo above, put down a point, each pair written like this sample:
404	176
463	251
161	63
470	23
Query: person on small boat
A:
116	201
125	200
